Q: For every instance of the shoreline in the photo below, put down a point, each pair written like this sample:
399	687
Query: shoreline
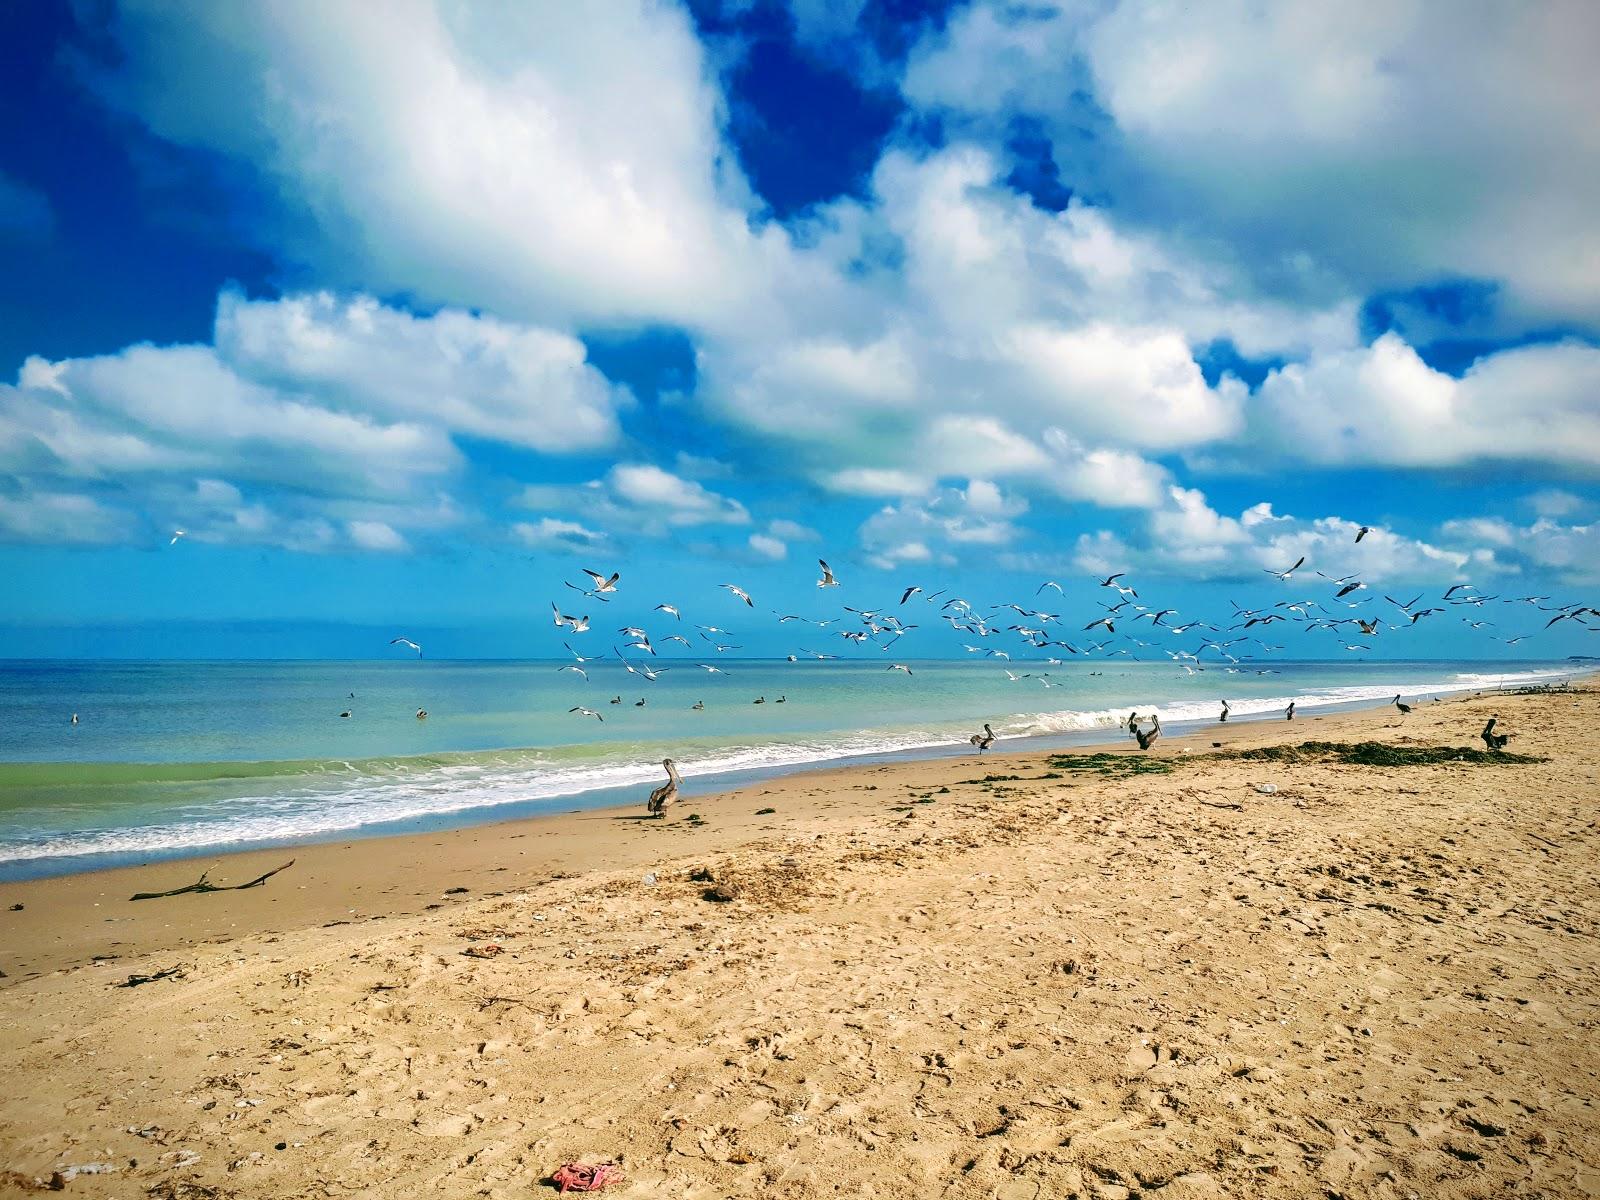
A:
67	922
596	799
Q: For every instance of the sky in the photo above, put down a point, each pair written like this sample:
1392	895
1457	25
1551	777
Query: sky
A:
404	314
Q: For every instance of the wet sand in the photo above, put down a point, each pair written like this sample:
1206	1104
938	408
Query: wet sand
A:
1372	981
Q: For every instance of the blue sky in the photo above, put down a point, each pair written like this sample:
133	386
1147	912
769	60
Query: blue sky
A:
404	316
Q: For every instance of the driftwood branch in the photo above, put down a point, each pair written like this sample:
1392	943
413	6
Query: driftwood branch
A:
1214	804
136	980
205	885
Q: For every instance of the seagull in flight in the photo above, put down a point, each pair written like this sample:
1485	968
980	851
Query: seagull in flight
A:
586	712
406	642
667	608
176	534
1286	573
576	624
909	592
739	592
827	579
901	667
712	670
1106	621
601	583
1054	584
577	670
1363	531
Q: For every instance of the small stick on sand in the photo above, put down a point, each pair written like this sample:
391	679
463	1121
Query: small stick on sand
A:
204	885
136	980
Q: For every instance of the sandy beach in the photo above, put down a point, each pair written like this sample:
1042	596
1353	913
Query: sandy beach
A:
1186	973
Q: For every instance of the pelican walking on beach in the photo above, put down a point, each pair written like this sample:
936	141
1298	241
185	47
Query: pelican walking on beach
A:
1225	710
1404	708
1491	739
667	792
983	740
1288	713
1148	739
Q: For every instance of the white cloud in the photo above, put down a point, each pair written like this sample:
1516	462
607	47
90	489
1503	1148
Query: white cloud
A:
1383	404
551	533
1331	149
1553	502
1185	537
768	547
875	481
471	374
943	528
1571	552
61	518
375	535
559	163
672	498
320	401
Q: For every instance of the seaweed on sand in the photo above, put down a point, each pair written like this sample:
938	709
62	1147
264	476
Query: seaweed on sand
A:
1377	754
1116	765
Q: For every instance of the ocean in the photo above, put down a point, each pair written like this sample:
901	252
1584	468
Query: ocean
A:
172	759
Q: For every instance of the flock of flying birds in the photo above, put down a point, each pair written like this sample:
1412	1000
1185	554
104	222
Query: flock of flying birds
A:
1045	639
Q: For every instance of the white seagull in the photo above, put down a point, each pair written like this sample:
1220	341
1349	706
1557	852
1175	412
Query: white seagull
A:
176	534
827	579
576	624
739	592
406	642
1300	562
586	712
667	608
577	670
901	667
601	583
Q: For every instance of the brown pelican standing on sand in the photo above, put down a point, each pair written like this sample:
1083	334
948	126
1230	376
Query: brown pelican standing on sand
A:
1404	708
1146	740
1224	715
667	792
1493	740
983	740
1288	713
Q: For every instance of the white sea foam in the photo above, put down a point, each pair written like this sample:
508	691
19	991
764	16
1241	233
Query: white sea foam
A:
344	801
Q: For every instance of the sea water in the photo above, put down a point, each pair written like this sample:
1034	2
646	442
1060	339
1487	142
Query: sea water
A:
177	758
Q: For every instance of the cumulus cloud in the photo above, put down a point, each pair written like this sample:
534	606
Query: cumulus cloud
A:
517	384
1570	552
62	518
1383	404
672	498
767	547
942	528
345	402
1186	538
551	533
1328	150
630	500
559	163
376	535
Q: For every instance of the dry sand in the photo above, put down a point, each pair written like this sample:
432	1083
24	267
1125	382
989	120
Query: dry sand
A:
1372	982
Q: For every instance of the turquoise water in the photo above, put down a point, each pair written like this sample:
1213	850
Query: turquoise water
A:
181	758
